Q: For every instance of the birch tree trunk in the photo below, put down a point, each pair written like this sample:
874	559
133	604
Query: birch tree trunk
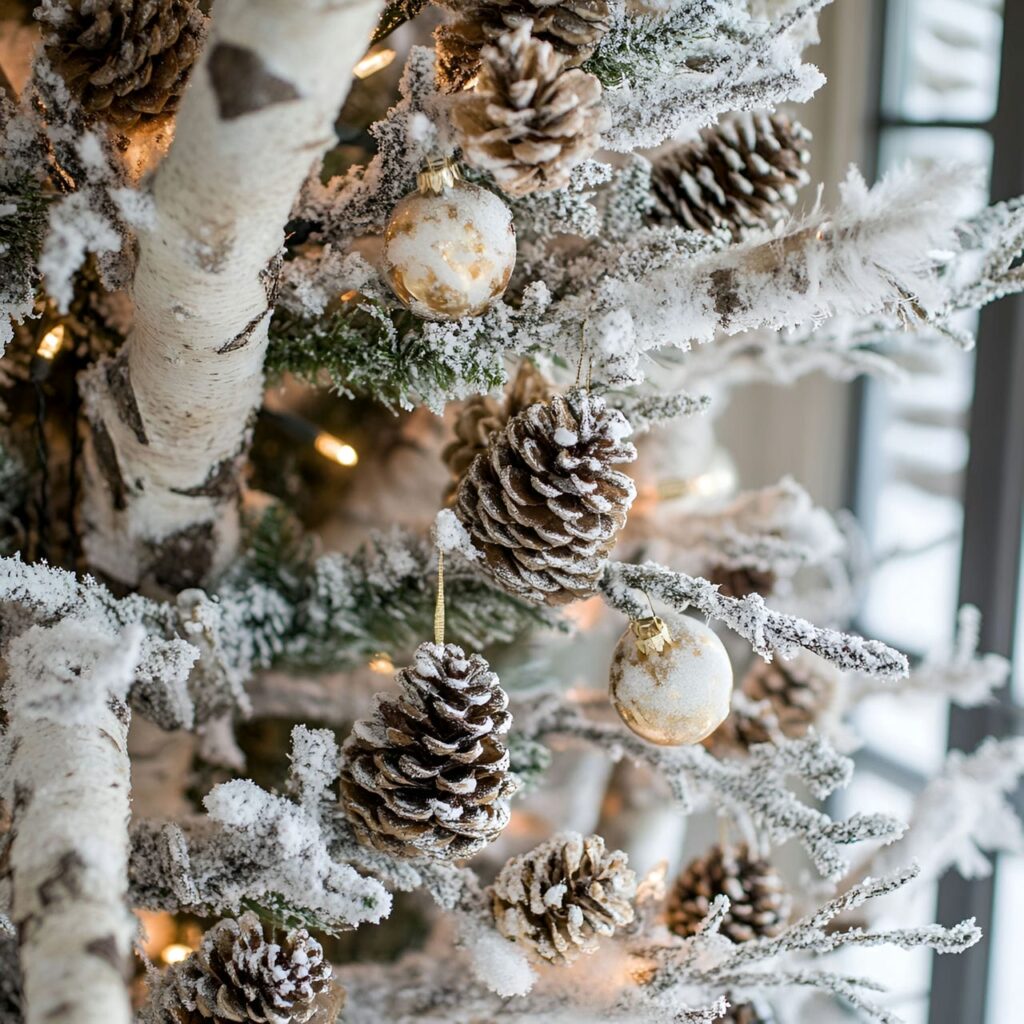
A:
69	773
170	416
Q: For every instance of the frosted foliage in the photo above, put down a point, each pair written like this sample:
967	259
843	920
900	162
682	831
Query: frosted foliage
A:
674	73
963	811
259	848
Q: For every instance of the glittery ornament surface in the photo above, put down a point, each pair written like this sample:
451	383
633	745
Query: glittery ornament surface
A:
449	255
676	696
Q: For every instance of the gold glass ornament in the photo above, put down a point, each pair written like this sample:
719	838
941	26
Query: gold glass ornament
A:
449	248
671	680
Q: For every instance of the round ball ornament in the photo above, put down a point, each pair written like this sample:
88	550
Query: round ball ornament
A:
671	680
450	247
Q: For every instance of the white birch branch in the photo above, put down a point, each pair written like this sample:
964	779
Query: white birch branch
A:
68	771
170	416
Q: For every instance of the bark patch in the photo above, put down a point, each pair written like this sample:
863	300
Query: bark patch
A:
243	336
182	560
105	948
221	483
121	391
243	84
106	459
65	882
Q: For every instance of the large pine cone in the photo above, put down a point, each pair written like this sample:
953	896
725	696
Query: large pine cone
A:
759	904
428	774
572	27
799	693
739	175
559	899
237	975
544	504
482	415
529	121
126	60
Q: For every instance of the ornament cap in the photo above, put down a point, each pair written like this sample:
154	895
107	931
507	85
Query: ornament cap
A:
652	635
438	175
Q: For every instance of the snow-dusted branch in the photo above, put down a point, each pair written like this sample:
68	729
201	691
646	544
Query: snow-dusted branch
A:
754	788
256	848
67	777
767	631
169	416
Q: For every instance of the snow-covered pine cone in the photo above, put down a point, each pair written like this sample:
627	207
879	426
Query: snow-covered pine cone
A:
544	504
237	975
745	1013
799	694
483	415
759	903
529	120
125	60
428	774
560	899
739	175
572	27
742	582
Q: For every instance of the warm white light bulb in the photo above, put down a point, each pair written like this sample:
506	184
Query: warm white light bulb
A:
376	60
52	343
175	953
333	448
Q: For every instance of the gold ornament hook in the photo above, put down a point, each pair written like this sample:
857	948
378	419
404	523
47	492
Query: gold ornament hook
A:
438	175
439	606
652	635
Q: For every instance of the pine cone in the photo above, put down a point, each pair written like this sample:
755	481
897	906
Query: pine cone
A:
572	27
482	416
744	1013
759	904
543	503
529	121
428	774
559	899
797	693
237	975
742	582
739	175
126	60
11	998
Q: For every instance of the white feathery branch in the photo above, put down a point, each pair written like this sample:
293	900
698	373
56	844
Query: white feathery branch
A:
767	631
68	774
170	415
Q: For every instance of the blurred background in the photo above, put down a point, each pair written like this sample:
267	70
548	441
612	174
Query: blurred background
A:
933	468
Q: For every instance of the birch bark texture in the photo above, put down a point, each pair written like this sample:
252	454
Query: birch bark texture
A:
67	776
171	415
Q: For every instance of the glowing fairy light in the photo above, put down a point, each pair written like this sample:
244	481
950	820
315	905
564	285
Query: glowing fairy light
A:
376	60
333	448
381	664
175	953
52	343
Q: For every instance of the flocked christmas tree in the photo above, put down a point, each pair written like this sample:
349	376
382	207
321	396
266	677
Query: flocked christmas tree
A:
283	329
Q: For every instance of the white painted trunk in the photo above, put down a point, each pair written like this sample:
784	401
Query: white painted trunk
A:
170	416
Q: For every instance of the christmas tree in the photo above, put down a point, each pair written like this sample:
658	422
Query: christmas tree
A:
363	550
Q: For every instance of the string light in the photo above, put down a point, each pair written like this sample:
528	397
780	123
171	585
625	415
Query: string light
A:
333	448
52	343
382	665
175	953
349	296
374	61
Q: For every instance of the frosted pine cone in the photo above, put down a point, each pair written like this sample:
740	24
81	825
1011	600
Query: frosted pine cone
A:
529	121
544	504
798	694
741	174
126	60
572	27
236	975
559	899
742	582
759	904
745	1013
429	774
483	416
